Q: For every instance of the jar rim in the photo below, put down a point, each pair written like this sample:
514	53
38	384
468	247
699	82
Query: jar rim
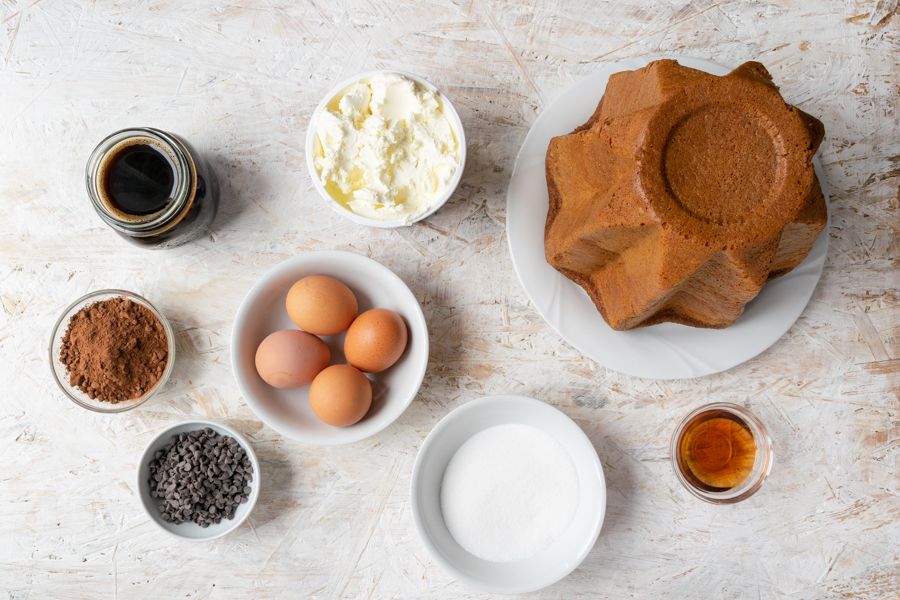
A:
185	176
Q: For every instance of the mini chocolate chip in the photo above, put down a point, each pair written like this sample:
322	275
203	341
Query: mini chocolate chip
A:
199	475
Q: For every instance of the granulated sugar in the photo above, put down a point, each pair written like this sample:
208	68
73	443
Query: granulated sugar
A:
509	492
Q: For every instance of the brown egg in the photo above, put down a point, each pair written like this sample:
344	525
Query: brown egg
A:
290	358
375	340
340	395
321	305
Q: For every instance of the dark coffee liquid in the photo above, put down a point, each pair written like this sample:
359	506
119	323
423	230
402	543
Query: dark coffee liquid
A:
139	179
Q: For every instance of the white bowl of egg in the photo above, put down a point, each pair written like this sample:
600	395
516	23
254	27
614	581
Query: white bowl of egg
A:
329	347
385	148
508	494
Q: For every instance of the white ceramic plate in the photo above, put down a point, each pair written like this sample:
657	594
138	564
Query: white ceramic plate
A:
313	148
548	566
664	351
191	532
263	312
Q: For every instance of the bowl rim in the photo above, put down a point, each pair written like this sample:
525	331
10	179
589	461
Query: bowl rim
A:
761	437
170	335
244	309
455	123
143	488
484	403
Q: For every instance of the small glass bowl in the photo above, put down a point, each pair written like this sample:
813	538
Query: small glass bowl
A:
762	464
61	374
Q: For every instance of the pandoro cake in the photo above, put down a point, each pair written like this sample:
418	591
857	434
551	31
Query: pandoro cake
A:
683	194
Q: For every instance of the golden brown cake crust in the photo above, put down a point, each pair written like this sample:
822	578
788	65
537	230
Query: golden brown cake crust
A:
683	194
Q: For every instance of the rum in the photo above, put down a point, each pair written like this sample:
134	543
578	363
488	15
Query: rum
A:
717	451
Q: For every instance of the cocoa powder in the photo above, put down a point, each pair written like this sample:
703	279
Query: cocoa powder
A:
114	350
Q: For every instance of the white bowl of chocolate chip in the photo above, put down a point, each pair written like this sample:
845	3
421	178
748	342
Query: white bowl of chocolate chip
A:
198	480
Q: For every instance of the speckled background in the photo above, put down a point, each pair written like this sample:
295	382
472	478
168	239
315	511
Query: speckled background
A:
240	82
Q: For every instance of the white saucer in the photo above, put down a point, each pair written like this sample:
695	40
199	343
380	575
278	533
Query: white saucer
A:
664	351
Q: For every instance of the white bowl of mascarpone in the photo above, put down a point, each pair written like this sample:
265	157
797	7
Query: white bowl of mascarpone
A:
385	148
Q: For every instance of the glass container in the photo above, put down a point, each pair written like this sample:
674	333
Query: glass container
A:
725	449
61	374
186	215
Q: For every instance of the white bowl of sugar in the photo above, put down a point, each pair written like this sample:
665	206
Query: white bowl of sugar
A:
508	494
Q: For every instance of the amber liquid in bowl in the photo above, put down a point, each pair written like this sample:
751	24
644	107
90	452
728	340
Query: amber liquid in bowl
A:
717	451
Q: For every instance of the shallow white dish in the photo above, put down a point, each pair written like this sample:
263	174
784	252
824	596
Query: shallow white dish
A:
312	144
548	566
191	532
664	351
263	312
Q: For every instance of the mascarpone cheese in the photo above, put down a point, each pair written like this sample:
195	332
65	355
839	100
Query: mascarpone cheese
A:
387	150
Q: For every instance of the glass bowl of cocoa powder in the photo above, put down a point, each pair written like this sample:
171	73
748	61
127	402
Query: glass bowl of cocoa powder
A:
111	351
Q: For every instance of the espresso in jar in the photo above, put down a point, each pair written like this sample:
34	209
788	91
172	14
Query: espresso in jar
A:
152	188
137	179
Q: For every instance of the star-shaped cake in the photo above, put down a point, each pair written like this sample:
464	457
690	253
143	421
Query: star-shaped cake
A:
683	194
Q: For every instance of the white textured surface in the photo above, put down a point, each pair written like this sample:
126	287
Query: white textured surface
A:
240	81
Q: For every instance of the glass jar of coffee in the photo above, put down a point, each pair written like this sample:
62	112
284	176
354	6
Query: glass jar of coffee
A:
152	188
